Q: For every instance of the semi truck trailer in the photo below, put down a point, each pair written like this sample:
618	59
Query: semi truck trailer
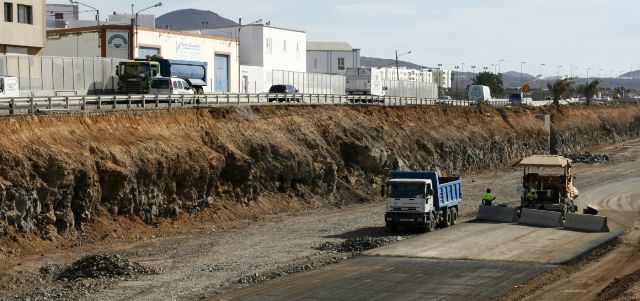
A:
422	199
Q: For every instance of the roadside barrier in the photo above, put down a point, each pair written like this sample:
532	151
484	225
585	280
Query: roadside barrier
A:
540	218
586	223
34	105
497	214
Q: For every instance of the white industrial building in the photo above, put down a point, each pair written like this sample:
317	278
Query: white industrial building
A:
127	42
263	50
331	57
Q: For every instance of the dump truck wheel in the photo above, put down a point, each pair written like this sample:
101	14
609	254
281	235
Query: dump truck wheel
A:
392	227
447	218
431	224
454	216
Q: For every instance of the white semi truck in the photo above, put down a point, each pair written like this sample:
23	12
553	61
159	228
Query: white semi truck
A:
364	81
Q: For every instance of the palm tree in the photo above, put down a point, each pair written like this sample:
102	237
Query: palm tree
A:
559	88
590	89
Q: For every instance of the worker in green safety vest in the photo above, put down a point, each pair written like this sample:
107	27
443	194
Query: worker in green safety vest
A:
488	198
532	196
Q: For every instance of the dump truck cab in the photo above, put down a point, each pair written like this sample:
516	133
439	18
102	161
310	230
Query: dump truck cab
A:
550	180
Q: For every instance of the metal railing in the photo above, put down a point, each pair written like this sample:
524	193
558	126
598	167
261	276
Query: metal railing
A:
33	105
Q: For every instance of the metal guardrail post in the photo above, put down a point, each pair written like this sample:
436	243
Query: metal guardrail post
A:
228	100
32	107
99	107
170	101
238	99
157	101
206	100
48	103
83	103
143	101
129	102
66	103
115	101
12	106
182	100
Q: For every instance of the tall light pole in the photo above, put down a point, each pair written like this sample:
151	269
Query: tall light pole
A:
558	71
600	73
136	21
495	68
398	63
97	18
499	66
521	64
474	70
457	80
588	74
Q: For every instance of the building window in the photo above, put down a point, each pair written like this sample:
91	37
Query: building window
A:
25	14
8	12
59	16
143	52
315	63
269	46
284	45
340	63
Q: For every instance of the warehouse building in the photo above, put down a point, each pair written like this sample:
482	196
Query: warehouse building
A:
127	42
265	49
331	57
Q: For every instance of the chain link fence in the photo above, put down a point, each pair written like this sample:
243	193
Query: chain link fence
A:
45	75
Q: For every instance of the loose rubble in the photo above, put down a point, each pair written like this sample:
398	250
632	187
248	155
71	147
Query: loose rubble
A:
103	266
589	158
358	244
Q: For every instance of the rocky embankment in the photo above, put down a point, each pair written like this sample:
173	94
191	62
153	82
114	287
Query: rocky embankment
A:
60	171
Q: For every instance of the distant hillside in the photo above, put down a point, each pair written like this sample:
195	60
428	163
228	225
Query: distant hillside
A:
632	74
378	62
191	19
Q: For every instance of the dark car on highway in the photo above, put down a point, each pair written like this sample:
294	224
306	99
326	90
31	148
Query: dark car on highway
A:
282	93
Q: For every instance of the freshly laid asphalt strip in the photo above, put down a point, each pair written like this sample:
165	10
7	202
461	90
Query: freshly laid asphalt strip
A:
470	261
395	278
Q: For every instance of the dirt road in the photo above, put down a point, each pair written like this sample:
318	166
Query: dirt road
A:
209	259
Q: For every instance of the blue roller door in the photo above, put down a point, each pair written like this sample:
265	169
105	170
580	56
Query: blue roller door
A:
222	73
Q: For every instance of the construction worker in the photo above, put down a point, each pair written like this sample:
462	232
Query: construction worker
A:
488	198
532	196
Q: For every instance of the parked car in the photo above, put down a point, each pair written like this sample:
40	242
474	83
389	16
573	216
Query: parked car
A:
282	93
170	86
444	100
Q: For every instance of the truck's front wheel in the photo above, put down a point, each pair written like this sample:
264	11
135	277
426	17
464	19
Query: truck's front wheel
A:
431	223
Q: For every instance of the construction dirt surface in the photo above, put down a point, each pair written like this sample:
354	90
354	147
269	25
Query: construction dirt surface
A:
196	258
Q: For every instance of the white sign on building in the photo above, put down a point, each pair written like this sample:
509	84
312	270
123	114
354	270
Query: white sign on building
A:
188	51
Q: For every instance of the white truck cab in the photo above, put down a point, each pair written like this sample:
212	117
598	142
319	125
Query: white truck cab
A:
410	196
9	86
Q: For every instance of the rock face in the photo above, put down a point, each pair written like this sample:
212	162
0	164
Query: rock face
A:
59	171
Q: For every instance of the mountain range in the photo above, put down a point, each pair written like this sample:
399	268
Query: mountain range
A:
192	19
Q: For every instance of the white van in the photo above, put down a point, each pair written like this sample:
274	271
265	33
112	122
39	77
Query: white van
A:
169	86
9	86
479	93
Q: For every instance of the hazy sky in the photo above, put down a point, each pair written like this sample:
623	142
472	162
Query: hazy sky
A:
599	34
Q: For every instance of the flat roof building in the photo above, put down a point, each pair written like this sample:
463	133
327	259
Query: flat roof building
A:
127	42
331	57
23	27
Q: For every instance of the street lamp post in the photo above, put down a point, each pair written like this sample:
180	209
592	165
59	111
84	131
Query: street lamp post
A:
558	71
136	21
398	63
97	18
457	80
499	66
521	64
588	74
474	70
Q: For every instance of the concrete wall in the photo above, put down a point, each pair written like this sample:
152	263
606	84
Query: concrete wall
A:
14	34
327	61
81	44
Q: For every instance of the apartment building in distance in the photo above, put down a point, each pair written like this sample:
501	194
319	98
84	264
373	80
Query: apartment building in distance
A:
23	27
331	57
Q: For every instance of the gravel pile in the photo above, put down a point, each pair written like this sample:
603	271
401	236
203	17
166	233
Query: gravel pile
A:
588	158
357	244
103	266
